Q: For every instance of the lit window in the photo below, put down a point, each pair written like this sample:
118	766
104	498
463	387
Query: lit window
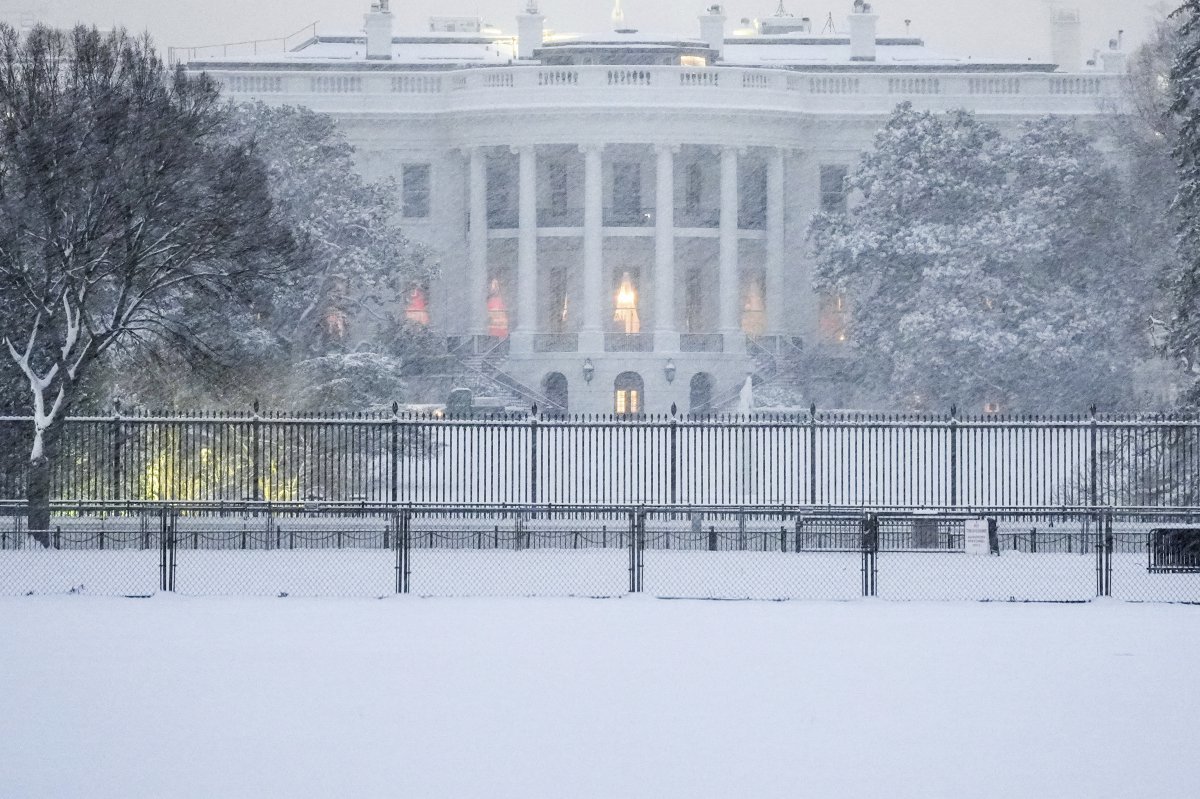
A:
692	61
497	312
831	321
754	317
626	314
628	389
414	181
417	310
833	189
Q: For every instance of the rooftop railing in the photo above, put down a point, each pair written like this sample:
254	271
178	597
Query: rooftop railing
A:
1081	93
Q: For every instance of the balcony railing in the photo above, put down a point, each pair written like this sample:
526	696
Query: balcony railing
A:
628	342
359	85
699	217
629	217
503	218
701	342
556	342
752	220
560	217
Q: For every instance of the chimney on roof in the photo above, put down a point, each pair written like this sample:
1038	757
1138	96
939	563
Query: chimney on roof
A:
712	29
862	31
1066	43
530	32
377	24
1114	58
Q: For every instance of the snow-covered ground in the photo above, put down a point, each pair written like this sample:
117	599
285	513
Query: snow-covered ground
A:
631	697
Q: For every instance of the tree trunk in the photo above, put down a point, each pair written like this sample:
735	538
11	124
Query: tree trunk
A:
37	494
38	491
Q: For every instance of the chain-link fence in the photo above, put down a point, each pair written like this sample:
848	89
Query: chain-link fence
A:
1064	555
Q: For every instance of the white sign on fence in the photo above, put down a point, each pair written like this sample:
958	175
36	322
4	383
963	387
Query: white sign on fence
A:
976	538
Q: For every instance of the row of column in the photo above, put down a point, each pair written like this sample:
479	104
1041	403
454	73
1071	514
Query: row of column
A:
592	326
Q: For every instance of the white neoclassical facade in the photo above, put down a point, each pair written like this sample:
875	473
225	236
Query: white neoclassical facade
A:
621	219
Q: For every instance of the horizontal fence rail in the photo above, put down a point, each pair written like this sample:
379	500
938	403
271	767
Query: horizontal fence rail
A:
714	552
804	459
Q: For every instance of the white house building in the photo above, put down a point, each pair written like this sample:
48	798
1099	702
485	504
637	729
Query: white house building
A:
621	218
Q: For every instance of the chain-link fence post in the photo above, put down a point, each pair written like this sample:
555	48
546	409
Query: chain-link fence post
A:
870	555
1108	553
637	549
402	542
167	551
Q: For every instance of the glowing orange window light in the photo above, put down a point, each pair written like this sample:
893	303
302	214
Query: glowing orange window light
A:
626	315
497	312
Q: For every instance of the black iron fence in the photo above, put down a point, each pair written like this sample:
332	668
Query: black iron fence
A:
1058	555
805	459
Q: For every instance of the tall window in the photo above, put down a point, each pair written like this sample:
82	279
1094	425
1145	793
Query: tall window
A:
625	307
832	318
497	311
556	180
627	189
754	317
629	394
414	181
833	189
752	196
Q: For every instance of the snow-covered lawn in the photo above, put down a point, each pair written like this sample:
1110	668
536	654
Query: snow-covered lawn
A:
264	697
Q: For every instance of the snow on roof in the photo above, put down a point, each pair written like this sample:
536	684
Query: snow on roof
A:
430	48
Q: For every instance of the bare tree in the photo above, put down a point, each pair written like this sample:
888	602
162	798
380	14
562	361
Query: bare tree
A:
119	196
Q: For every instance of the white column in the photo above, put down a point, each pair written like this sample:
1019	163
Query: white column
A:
775	289
729	284
527	241
477	321
666	337
595	301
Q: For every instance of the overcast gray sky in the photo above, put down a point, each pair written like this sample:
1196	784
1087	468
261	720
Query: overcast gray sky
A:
981	28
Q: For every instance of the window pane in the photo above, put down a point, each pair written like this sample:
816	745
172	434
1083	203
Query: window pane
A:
415	186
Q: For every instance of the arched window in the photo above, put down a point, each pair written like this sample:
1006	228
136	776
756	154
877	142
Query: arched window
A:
630	397
554	389
700	395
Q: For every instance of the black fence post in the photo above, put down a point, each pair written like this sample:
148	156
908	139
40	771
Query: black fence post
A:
117	442
674	453
870	552
394	468
1093	460
403	545
162	549
1108	553
633	557
641	550
255	456
953	456
533	457
812	454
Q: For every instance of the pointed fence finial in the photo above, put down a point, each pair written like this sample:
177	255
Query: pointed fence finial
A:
674	410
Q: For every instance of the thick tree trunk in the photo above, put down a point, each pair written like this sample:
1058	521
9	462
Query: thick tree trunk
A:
38	491
37	494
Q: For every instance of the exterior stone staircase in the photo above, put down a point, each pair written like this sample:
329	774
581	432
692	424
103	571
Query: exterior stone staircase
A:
483	373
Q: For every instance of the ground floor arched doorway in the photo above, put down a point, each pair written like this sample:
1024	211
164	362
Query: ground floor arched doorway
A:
554	389
700	395
629	394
